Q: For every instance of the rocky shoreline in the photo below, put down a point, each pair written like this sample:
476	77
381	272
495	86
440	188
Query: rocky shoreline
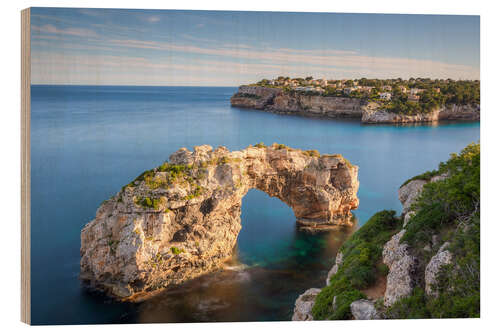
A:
400	280
275	100
422	264
182	219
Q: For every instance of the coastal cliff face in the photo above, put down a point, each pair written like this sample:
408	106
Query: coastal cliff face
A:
277	101
449	112
430	254
378	116
182	219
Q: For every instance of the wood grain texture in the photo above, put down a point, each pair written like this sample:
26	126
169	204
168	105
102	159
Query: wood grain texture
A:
25	166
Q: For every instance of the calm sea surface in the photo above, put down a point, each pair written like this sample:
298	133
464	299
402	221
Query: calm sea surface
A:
88	141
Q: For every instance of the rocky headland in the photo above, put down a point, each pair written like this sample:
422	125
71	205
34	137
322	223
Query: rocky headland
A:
181	219
422	264
278	101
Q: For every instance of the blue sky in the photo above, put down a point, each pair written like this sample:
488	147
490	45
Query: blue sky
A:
205	48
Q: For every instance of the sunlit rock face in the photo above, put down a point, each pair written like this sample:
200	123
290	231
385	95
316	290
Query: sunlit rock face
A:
277	101
288	102
182	219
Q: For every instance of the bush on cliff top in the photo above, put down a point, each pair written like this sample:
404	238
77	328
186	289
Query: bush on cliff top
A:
424	176
312	153
449	206
447	202
148	202
450	209
260	145
359	269
458	283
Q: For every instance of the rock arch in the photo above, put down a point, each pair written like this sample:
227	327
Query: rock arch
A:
182	219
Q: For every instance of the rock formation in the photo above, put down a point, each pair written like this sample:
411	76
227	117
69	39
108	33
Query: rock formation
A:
182	219
364	310
408	193
402	265
335	268
277	101
401	278
427	252
304	304
448	112
441	258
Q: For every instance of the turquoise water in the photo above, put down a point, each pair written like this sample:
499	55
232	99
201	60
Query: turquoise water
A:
88	141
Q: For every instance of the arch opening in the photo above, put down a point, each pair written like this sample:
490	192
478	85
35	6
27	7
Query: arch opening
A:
267	229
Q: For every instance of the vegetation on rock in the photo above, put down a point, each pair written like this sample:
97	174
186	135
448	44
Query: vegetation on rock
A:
407	97
448	202
148	202
360	267
450	210
447	213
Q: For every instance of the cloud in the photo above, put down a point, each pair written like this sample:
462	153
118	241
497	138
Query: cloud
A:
153	19
70	46
51	29
224	64
91	12
50	67
198	39
346	59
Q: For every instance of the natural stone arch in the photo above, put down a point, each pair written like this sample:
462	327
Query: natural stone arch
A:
182	219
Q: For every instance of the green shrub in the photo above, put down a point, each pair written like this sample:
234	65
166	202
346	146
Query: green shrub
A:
449	206
359	268
147	202
424	176
458	284
260	145
443	202
312	153
223	160
446	207
382	269
113	244
175	250
411	307
343	304
198	190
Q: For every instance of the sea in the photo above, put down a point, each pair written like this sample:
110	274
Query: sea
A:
88	141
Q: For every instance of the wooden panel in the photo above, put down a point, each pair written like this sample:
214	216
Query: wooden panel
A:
25	166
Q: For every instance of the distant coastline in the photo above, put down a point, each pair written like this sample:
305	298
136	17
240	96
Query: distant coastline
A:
372	101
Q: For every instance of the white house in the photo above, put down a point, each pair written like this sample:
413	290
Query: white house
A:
367	89
413	98
349	90
386	96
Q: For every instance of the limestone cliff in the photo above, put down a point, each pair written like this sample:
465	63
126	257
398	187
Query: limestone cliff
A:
422	264
182	219
448	112
277	101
